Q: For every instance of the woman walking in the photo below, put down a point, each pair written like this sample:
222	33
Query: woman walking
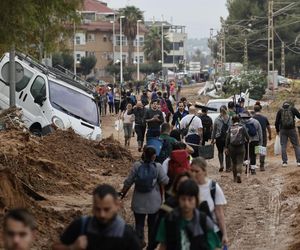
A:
128	119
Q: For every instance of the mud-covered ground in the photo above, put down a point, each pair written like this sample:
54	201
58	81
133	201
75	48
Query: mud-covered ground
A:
262	213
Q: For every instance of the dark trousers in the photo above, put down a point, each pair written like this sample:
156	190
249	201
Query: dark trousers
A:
263	157
152	133
111	107
237	154
194	139
117	107
220	143
285	135
252	154
140	225
140	132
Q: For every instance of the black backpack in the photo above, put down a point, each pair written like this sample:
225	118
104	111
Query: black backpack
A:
287	118
207	126
146	177
224	129
204	207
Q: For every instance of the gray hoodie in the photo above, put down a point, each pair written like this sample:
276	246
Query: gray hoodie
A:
259	135
218	124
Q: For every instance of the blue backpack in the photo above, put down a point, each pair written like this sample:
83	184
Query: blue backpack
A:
251	129
146	177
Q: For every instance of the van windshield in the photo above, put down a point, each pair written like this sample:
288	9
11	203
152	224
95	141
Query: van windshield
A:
216	105
73	103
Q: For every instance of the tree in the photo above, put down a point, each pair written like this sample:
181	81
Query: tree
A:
152	44
132	15
57	60
63	59
87	64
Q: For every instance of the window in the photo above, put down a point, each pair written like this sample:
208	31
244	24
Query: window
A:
77	40
141	59
91	37
90	53
124	40
78	57
105	38
141	40
38	87
22	84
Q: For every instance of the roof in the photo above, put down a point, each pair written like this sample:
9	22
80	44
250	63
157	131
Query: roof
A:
104	26
96	6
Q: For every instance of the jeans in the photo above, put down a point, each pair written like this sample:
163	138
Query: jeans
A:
140	132
220	143
291	134
111	107
127	130
237	154
117	106
140	225
252	154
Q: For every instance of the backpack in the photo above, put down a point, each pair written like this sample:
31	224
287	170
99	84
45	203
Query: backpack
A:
287	119
164	107
165	151
176	167
224	129
207	125
146	177
236	135
204	207
251	129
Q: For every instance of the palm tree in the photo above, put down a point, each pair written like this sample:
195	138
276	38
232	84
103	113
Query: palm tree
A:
132	15
152	44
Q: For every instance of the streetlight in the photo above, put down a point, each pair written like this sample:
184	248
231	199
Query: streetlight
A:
121	51
114	43
138	49
74	48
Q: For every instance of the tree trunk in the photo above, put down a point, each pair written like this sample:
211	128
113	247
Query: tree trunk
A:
130	51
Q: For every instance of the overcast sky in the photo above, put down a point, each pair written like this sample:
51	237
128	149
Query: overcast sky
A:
197	15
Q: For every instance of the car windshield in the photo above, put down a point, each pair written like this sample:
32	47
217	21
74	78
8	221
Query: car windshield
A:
216	105
73	103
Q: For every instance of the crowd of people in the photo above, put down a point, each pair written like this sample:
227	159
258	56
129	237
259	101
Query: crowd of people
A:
183	207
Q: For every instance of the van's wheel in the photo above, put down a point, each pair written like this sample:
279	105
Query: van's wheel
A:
36	132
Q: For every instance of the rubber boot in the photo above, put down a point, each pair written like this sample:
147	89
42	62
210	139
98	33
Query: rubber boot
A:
262	167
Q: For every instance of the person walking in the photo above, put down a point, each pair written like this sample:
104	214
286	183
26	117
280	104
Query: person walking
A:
117	100
148	178
19	230
110	97
265	126
167	143
140	126
178	115
256	139
128	119
220	129
236	138
211	196
194	130
166	107
285	127
144	98
207	124
154	118
105	229
185	227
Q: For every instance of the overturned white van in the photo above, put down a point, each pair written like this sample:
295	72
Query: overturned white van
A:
48	97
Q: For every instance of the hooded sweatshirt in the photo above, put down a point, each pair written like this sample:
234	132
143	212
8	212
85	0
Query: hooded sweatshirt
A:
218	124
286	105
259	135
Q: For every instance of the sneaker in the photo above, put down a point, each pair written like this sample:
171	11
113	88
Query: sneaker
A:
238	179
284	165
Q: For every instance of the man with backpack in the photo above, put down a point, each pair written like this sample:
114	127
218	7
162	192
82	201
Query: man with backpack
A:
220	129
167	143
265	126
185	227
192	130
234	147
207	124
285	126
256	139
104	230
149	180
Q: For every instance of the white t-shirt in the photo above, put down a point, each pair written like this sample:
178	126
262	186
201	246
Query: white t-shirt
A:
204	195
195	125
165	165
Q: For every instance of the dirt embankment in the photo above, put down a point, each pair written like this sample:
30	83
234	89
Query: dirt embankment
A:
61	163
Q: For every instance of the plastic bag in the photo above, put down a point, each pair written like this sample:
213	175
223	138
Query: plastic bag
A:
277	146
118	125
260	150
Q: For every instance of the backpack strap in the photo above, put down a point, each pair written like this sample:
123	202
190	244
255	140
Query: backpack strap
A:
213	188
84	223
188	126
203	224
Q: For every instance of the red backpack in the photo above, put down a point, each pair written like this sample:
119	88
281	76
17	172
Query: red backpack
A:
179	163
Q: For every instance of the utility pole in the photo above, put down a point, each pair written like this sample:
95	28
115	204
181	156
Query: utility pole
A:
223	44
271	77
283	59
246	55
211	45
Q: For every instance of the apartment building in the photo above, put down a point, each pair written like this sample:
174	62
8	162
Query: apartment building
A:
99	35
178	38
